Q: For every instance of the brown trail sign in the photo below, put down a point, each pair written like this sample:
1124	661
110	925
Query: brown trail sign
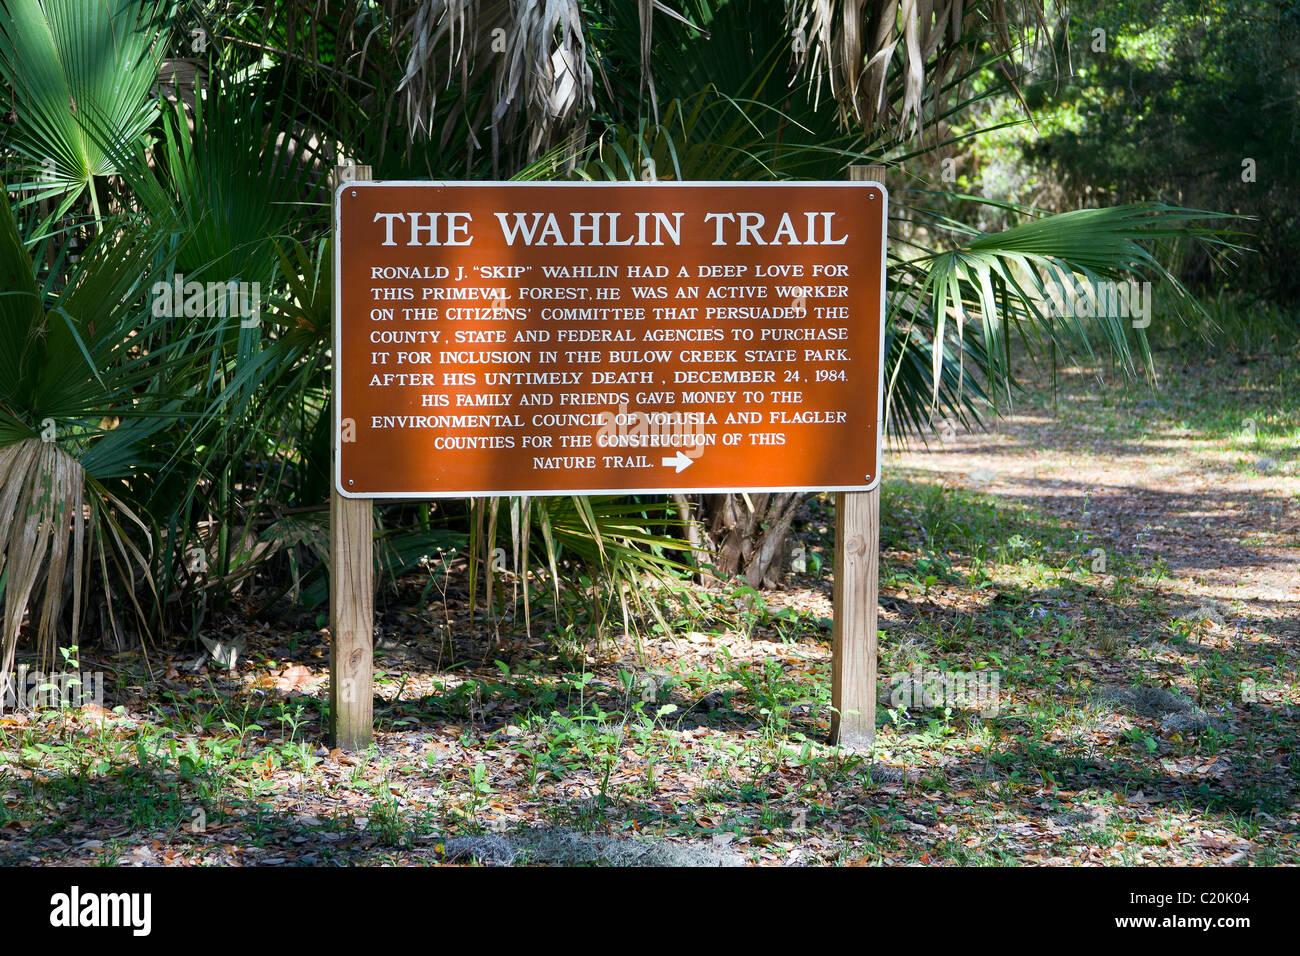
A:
577	338
556	338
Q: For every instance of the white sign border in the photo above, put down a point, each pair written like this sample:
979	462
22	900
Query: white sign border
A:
336	450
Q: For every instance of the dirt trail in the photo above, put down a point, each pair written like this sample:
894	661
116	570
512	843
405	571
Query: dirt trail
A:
1214	495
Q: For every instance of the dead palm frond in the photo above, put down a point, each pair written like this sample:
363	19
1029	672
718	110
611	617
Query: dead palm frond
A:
878	56
521	69
62	520
41	488
530	54
88	385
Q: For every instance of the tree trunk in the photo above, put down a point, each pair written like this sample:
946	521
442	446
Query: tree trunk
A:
744	535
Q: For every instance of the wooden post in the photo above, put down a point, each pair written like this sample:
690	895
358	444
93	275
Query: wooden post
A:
352	590
857	570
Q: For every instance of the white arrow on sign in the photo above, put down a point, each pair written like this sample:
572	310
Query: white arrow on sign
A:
681	461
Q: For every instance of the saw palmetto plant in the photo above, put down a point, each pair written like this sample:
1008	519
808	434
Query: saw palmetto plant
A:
89	383
80	74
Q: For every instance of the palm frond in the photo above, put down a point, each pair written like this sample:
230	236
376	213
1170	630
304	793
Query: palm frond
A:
86	387
70	63
881	59
1002	285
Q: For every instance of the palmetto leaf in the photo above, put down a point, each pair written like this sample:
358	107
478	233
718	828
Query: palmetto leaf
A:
71	63
997	286
605	535
221	183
